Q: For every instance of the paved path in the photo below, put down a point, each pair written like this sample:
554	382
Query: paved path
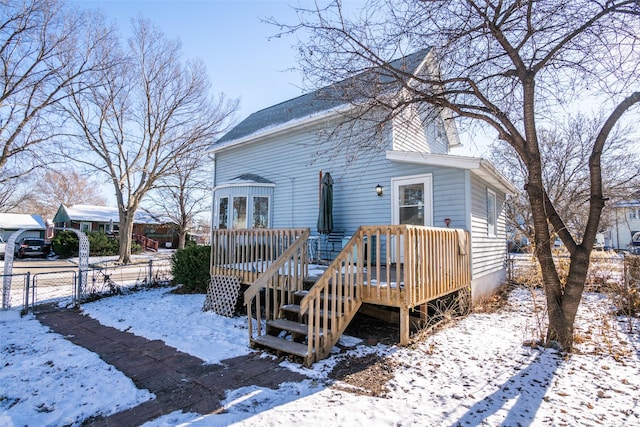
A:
178	380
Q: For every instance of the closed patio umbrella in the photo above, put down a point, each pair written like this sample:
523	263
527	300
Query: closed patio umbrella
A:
325	213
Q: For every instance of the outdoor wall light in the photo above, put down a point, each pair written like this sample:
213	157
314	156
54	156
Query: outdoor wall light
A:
379	190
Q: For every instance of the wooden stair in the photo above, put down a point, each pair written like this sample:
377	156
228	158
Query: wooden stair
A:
289	332
304	323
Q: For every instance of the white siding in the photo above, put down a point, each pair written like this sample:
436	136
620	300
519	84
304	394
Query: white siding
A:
293	162
489	252
420	132
409	134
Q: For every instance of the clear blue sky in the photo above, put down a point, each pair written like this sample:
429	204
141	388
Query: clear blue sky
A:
229	37
243	58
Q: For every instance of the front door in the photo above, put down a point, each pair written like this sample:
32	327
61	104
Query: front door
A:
412	204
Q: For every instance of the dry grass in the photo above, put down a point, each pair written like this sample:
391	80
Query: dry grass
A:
366	375
492	302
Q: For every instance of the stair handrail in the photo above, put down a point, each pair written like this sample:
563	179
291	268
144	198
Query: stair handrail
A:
275	266
317	347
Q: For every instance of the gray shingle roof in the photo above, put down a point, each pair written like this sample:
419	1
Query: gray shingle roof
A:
319	101
249	178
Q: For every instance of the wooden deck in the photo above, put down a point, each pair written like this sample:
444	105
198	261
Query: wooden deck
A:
399	266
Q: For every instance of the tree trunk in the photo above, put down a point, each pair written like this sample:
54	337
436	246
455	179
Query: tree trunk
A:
126	231
182	238
571	297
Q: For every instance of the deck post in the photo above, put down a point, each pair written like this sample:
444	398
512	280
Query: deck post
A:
404	326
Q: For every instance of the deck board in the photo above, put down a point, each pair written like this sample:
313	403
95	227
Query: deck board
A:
278	344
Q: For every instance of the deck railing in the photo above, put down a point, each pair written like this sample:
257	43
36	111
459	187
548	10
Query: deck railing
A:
333	300
146	242
396	265
277	285
407	265
248	253
400	266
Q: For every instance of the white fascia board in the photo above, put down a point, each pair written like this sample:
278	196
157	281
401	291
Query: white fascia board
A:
243	184
478	166
282	128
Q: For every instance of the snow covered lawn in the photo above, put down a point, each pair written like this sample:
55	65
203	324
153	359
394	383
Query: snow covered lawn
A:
476	371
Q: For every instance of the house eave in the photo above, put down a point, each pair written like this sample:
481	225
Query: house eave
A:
281	128
242	184
481	167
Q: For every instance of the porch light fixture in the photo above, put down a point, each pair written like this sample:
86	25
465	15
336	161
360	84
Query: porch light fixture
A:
379	190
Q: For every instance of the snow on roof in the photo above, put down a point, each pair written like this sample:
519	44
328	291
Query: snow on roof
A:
108	214
13	221
627	204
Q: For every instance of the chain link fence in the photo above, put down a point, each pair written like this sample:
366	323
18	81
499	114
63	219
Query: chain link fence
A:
44	291
605	269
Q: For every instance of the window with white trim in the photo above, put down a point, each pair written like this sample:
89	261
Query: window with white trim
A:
260	212
239	212
223	212
491	213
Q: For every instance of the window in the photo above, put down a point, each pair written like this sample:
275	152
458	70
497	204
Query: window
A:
634	214
85	227
260	212
223	212
491	213
411	204
239	212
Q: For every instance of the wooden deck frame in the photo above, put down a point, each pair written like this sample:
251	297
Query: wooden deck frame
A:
401	266
249	252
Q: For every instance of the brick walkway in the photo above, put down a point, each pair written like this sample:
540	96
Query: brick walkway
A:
178	380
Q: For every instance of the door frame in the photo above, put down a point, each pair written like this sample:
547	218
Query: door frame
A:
427	180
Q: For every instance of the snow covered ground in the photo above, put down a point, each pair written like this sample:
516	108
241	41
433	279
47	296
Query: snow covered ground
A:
476	371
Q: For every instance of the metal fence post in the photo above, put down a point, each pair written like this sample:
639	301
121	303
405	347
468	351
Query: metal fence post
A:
25	309
76	302
150	272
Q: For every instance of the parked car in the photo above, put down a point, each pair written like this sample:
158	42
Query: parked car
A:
30	247
3	247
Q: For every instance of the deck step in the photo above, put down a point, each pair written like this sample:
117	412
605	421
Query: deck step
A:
295	309
289	325
285	346
301	294
291	308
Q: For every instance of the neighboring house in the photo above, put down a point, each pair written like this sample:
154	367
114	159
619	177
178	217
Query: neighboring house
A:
625	225
10	222
268	173
105	219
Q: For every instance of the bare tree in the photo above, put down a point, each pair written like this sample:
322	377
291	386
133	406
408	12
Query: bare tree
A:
44	49
63	185
510	65
565	153
149	112
184	194
16	196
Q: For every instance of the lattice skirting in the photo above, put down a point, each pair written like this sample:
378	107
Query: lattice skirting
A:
222	294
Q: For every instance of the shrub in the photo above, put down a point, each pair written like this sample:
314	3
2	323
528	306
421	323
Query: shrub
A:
190	268
65	244
100	244
626	293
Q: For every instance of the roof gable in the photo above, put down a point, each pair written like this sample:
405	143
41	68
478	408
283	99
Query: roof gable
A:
11	221
322	101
